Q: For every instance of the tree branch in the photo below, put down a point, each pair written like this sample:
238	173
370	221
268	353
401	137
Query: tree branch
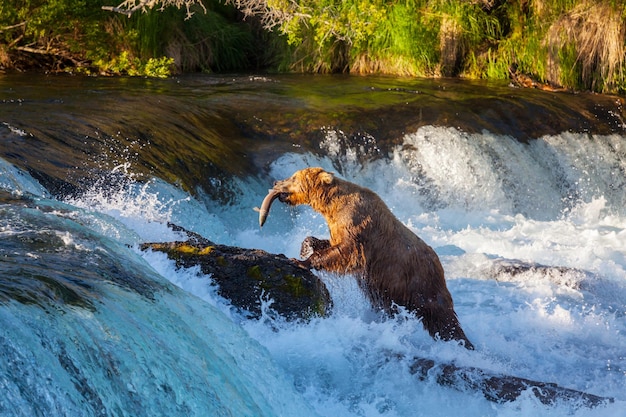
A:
12	26
270	16
128	7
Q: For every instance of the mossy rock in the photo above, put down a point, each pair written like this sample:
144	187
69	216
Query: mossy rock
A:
244	276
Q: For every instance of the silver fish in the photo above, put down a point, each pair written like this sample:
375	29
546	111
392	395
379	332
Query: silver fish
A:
265	206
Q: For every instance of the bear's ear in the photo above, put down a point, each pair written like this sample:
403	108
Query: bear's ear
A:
326	177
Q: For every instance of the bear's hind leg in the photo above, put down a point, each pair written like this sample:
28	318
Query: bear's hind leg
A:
444	323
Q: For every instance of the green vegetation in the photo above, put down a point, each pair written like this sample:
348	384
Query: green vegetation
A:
576	44
78	36
294	286
255	272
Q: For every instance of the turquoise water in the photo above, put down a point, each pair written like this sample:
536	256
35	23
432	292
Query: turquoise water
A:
531	235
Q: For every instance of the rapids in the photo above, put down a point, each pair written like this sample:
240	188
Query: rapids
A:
520	192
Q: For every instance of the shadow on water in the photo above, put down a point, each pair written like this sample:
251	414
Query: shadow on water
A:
199	131
52	262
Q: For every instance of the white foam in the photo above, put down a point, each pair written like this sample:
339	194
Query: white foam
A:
477	201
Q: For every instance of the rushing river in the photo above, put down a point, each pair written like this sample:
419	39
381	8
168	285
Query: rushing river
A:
520	192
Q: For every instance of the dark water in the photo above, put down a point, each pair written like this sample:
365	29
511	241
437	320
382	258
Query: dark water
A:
193	130
520	192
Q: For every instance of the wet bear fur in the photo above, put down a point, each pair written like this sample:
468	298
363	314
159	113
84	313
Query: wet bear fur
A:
393	265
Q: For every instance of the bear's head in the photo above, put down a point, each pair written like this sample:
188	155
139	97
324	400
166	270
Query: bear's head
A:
312	186
303	186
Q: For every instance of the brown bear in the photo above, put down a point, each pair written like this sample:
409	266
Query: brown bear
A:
393	265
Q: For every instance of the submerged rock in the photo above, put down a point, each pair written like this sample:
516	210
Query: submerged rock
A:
245	276
500	388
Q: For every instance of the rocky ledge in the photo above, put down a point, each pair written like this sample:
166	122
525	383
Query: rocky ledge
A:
245	276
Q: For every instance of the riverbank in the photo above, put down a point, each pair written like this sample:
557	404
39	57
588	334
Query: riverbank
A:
573	45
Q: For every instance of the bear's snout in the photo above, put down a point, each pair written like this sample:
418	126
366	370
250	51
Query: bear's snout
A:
282	197
283	188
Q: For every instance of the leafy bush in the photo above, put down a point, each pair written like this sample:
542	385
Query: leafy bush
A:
575	43
77	35
578	44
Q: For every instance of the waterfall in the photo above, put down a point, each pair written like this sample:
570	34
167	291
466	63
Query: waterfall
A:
531	234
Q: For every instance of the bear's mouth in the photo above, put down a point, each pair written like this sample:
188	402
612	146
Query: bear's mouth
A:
283	197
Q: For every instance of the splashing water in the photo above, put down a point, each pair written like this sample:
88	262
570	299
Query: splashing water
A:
532	238
539	292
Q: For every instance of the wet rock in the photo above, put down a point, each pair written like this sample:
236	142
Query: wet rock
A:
244	276
500	388
511	270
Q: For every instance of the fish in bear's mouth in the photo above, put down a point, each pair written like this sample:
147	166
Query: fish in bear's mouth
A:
267	203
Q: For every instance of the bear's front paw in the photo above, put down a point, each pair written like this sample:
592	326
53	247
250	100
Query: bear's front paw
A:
306	264
308	247
311	245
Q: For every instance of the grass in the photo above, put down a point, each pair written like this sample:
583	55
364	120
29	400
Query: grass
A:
576	44
586	47
209	41
77	35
